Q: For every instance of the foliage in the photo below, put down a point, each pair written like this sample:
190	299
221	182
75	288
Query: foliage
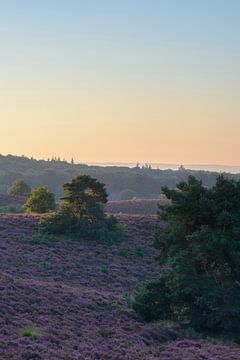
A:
30	333
82	212
19	187
12	208
43	238
123	251
200	251
104	269
41	201
139	251
127	194
144	181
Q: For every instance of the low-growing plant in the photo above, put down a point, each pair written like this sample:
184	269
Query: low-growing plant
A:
28	332
128	300
12	208
104	269
43	238
122	251
139	251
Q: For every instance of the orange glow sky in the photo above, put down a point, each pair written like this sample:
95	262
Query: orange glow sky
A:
151	83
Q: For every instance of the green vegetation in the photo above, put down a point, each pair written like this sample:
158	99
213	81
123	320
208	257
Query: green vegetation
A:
30	333
19	188
122	251
12	208
200	252
104	269
82	212
139	251
144	181
41	201
43	238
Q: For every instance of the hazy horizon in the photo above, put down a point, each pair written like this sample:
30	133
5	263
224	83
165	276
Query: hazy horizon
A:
231	168
107	82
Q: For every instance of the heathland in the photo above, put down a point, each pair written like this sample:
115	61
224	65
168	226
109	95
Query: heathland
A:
70	300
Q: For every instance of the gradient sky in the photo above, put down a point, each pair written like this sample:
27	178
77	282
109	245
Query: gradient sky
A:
121	81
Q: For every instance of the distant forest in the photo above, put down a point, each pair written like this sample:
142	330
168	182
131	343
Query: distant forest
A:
142	182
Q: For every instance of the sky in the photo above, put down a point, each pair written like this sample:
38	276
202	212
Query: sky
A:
154	81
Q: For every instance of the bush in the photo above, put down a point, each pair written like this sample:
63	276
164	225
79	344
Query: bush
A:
200	250
19	188
12	208
41	201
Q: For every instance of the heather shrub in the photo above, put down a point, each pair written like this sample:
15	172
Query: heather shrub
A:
200	252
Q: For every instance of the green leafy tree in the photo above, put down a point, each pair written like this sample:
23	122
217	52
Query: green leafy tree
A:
19	187
199	251
82	211
41	201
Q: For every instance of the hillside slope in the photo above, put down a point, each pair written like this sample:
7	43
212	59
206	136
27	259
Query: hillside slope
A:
73	295
145	182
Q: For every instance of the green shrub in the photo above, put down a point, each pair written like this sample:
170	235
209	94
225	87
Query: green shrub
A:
104	269
139	251
30	333
41	201
43	238
12	208
123	251
19	188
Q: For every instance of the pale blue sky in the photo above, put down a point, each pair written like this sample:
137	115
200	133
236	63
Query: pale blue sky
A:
161	77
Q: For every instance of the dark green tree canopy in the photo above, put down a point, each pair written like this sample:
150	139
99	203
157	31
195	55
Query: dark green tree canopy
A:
41	201
82	212
200	252
19	188
85	197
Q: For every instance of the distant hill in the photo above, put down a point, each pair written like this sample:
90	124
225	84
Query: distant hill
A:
145	181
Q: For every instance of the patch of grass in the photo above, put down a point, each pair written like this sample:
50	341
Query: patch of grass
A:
43	238
13	209
123	251
128	299
104	269
28	332
139	251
